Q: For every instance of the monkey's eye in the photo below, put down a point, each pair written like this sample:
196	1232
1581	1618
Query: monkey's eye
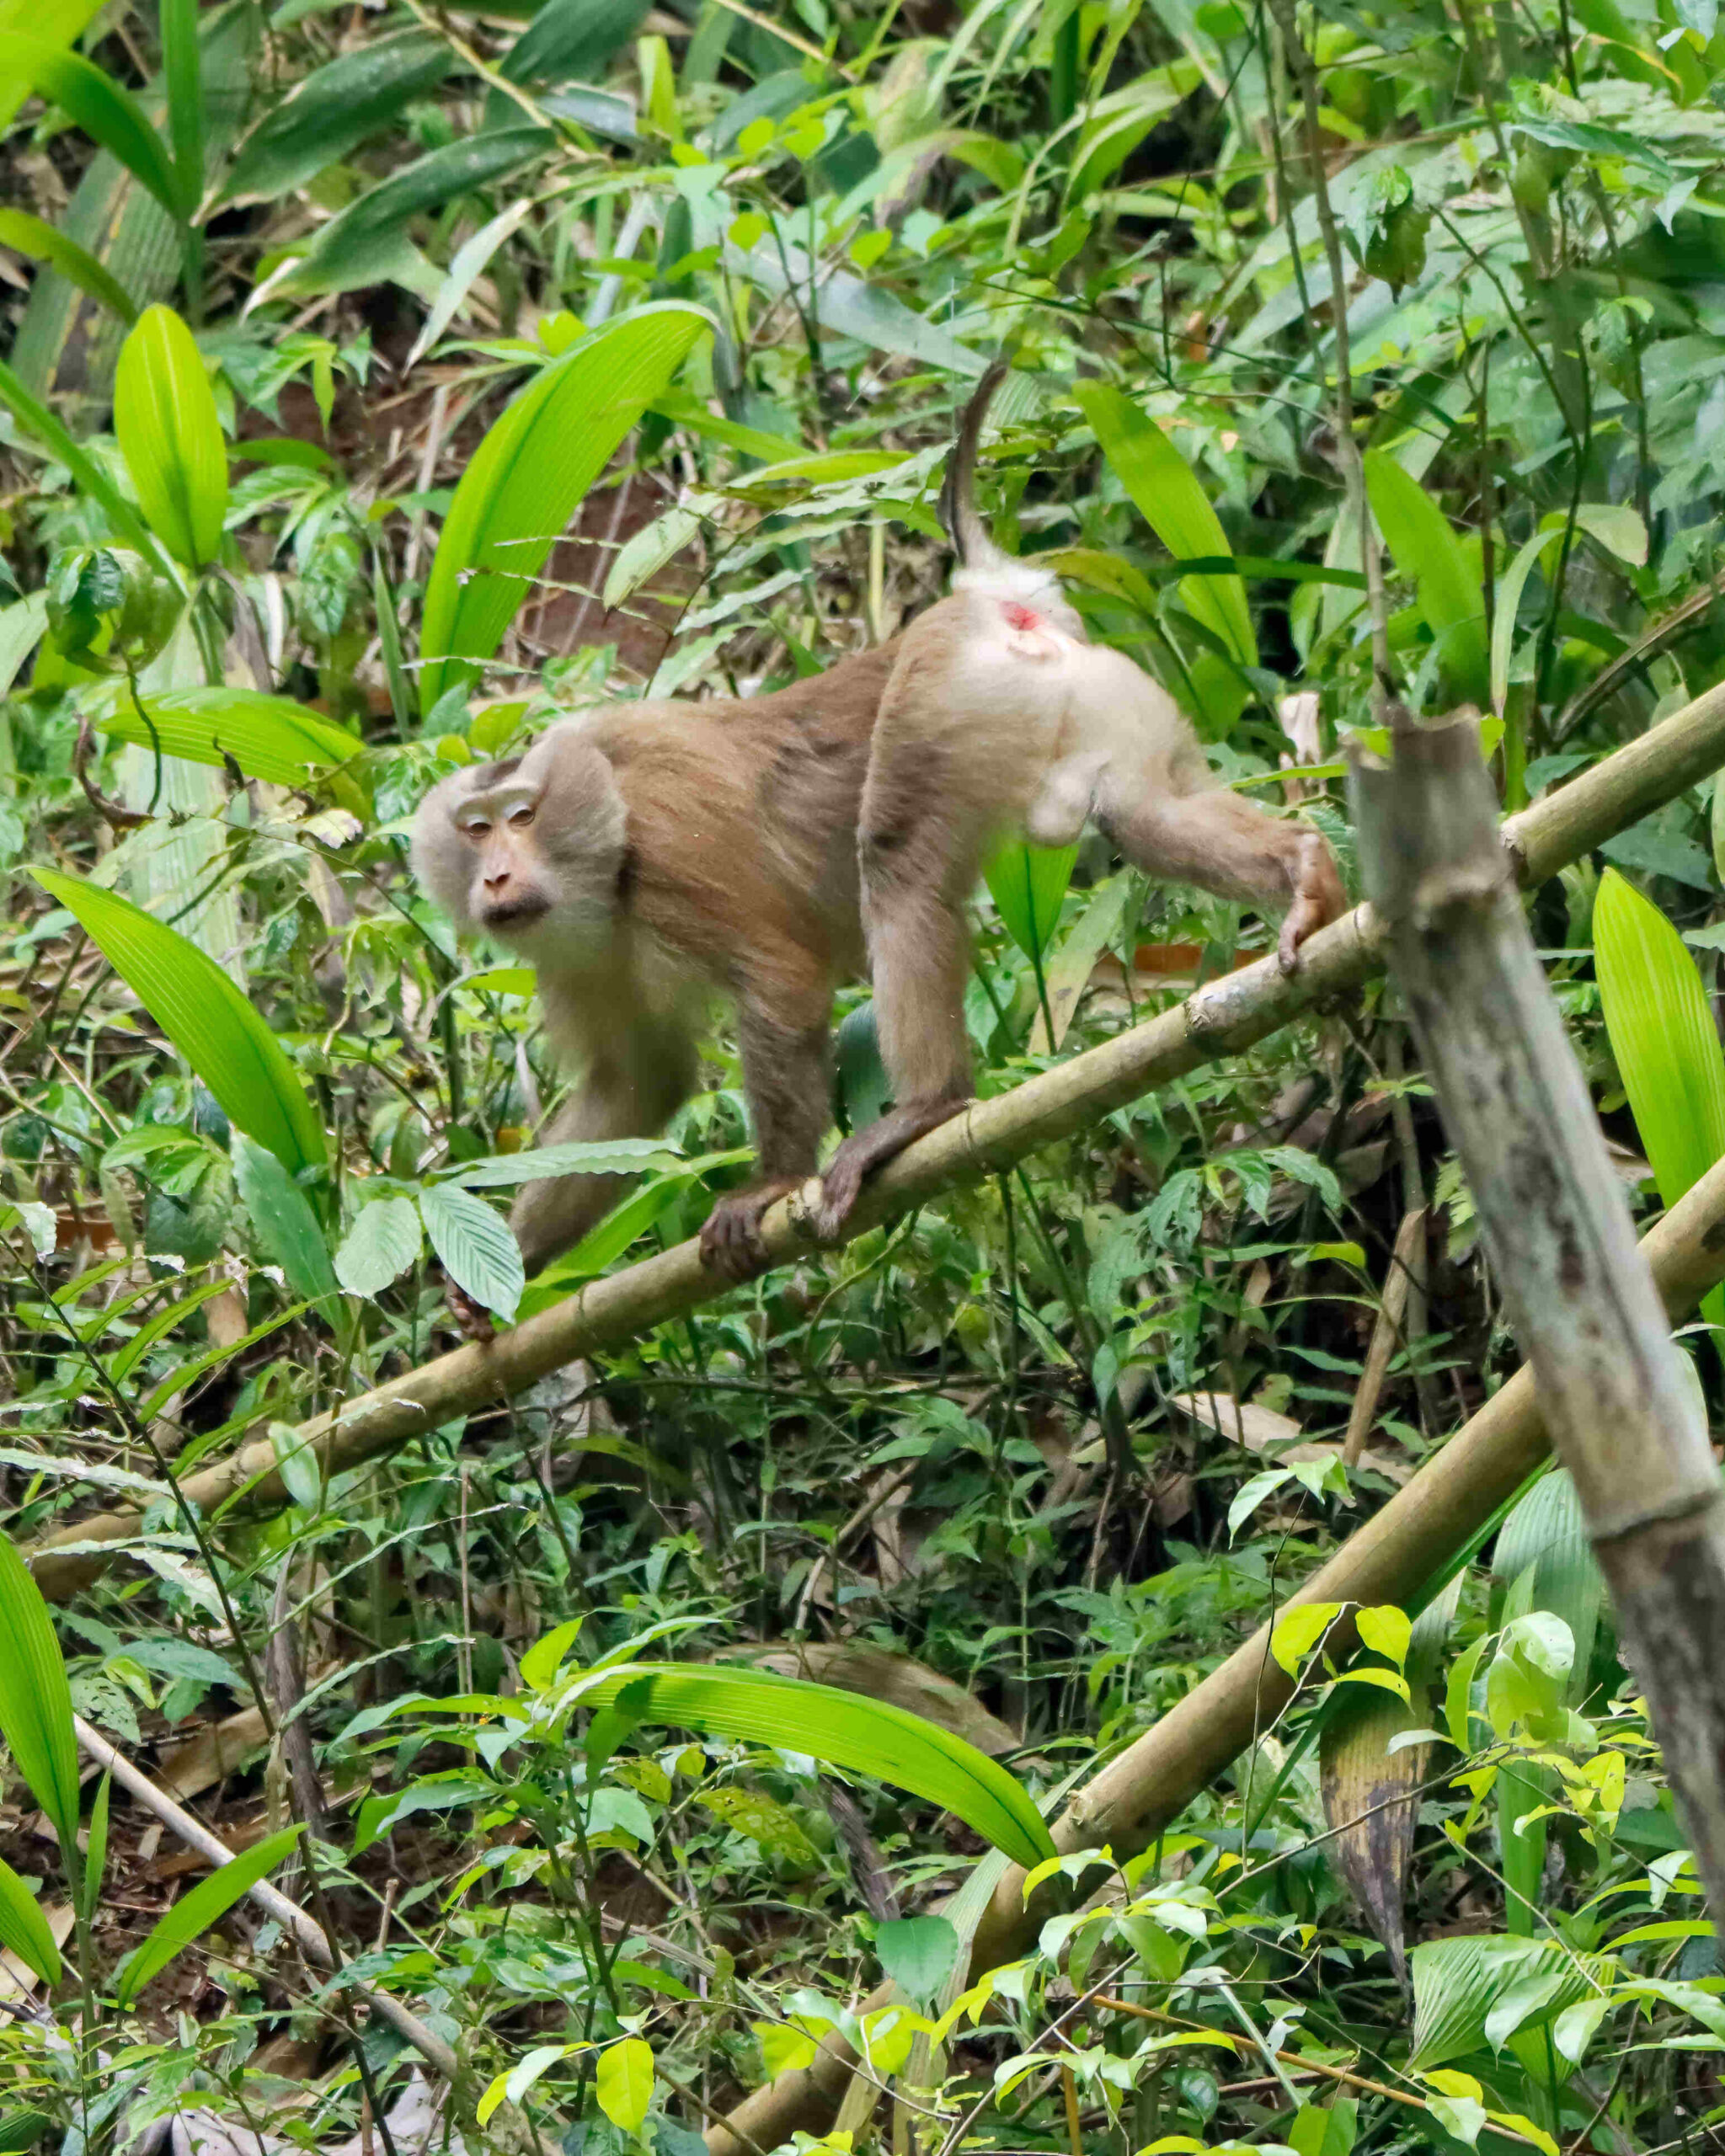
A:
476	827
520	818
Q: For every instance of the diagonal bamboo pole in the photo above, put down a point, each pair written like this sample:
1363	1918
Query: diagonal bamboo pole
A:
1220	1019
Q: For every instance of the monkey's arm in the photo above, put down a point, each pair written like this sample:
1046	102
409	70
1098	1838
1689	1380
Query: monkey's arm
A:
783	1033
1226	844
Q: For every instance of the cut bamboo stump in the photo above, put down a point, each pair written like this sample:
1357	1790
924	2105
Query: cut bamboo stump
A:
1623	1414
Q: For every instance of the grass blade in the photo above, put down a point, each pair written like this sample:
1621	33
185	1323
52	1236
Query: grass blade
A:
109	114
868	1736
164	414
206	1016
35	1700
41	243
195	1913
182	74
529	475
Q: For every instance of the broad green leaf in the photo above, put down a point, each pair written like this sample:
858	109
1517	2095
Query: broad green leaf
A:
1458	1982
164	414
1425	550
597	1156
382	1243
214	1027
35	1700
331	111
284	1219
368	240
23	1929
571	41
270	738
919	1954
845	1730
39	423
1168	497
96	102
21	2130
196	1912
851	306
527	477
48	22
298	1464
183	77
1662	1035
22	627
623	2081
42	243
475	1246
1027	883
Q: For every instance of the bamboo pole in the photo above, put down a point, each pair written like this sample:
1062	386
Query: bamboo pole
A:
1138	1795
1624	1414
1220	1019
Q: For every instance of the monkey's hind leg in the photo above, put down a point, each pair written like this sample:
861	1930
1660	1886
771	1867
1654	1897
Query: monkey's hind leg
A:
919	955
783	1035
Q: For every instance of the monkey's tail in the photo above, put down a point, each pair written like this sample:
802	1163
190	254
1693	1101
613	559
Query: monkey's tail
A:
972	545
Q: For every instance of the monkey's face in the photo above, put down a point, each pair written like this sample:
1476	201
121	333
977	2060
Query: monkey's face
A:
530	850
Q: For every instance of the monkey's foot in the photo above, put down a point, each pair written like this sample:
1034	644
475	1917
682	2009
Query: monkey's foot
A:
865	1151
1318	899
730	1234
474	1318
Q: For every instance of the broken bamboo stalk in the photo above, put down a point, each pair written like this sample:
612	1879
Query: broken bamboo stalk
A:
1624	1414
1388	1559
1221	1018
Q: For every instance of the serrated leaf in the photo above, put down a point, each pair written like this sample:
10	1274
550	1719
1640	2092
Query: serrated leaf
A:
382	1243
214	1027
474	1245
164	414
528	477
195	1913
868	1736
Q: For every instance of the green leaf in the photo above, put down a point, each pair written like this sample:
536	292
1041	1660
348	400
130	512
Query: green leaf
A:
919	1954
382	1243
1167	495
21	2130
96	102
37	420
182	74
1426	551
214	1027
1027	883
623	2082
35	1700
1662	1035
1458	1982
195	1913
571	41
1617	527
368	241
331	111
594	1157
284	1219
528	476
298	1464
96	1847
475	1245
42	243
843	1729
23	1929
164	414
270	738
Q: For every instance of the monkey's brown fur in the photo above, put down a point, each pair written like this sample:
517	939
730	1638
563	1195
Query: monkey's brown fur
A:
649	854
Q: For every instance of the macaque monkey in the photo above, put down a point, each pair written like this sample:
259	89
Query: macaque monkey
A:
1000	720
647	859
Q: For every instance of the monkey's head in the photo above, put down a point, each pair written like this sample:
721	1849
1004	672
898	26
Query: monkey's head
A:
530	850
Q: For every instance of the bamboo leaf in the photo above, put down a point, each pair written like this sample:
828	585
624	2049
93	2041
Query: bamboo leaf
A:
164	414
1426	551
42	243
109	114
332	111
23	1929
1166	492
530	474
214	1027
868	1736
195	1913
35	1700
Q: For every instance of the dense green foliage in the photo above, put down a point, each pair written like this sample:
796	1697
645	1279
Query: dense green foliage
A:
381	383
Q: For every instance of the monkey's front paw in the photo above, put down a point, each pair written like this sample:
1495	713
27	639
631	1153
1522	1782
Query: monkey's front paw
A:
472	1318
731	1242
